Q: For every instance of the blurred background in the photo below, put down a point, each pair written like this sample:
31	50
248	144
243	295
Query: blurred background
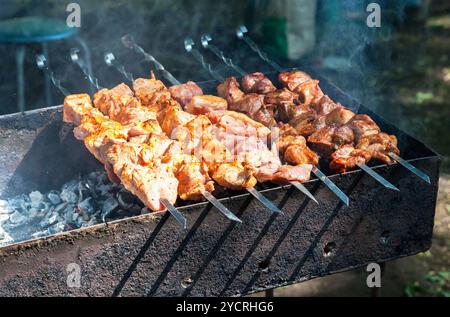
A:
401	69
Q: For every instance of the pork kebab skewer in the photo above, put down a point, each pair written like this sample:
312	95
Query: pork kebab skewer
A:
243	137
346	152
295	154
103	136
148	98
263	100
216	109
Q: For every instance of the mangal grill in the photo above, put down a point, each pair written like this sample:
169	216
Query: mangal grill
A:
151	255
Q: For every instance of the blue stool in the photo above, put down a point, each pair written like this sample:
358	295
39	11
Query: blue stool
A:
29	30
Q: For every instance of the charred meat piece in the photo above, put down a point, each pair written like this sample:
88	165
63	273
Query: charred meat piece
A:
149	184
233	176
379	146
230	91
265	117
321	141
363	126
248	104
325	105
193	180
120	105
339	116
347	157
295	151
184	93
281	97
292	112
293	79
196	137
309	92
257	83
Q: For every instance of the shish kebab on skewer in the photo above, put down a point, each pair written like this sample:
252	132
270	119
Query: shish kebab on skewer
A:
266	104
233	130
241	33
122	114
191	97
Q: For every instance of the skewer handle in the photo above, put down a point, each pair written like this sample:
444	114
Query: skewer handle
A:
110	60
42	64
189	47
240	33
129	42
206	38
76	59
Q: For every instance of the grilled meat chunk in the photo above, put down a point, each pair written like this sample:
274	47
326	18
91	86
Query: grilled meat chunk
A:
363	126
153	94
325	105
75	107
286	173
379	146
184	93
309	92
281	97
205	104
339	116
257	83
230	91
347	157
293	79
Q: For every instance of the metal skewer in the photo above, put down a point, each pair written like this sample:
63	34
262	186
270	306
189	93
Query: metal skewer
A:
240	33
42	64
336	190
175	213
75	57
377	177
206	38
262	199
410	167
189	47
111	61
129	42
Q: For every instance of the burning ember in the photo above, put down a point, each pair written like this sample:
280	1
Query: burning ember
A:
80	203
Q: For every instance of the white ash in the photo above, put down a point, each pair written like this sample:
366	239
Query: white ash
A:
80	203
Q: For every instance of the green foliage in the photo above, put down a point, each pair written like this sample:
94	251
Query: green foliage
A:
434	284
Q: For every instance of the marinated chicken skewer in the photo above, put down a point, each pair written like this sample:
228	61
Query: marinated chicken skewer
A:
175	118
257	84
150	97
130	163
179	93
240	33
85	106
